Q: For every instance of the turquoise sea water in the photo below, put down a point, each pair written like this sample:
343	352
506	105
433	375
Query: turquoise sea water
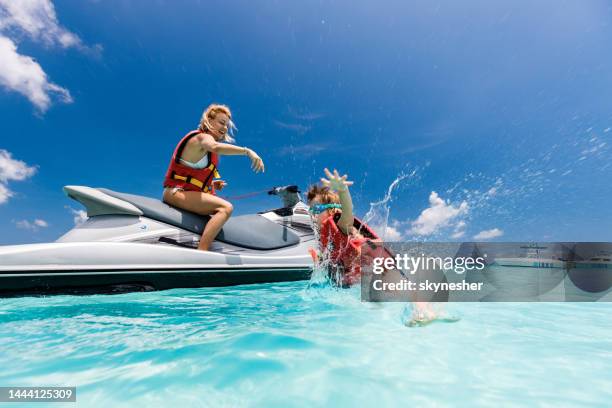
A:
289	345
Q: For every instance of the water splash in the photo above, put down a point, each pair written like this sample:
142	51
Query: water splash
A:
521	192
321	276
377	216
419	314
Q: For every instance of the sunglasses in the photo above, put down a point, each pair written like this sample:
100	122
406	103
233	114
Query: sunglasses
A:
319	208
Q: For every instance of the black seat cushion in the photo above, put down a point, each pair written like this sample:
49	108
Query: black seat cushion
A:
248	231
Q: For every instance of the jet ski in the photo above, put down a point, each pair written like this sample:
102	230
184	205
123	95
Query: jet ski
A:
134	243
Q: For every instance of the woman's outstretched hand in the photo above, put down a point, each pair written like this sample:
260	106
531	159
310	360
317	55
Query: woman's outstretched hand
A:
335	182
257	164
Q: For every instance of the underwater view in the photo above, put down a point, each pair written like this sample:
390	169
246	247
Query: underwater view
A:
209	203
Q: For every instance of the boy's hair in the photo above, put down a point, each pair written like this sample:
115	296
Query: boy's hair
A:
325	195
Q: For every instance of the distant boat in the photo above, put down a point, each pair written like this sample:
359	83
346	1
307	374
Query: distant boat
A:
601	261
532	259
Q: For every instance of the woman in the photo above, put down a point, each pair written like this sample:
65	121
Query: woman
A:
193	177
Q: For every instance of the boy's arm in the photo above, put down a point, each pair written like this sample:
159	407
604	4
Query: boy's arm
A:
341	185
346	221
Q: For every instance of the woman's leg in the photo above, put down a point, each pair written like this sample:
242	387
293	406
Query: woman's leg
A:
204	204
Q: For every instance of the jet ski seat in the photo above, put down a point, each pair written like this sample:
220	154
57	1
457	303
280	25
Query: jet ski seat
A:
248	231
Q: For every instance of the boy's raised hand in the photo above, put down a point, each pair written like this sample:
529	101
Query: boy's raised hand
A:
335	182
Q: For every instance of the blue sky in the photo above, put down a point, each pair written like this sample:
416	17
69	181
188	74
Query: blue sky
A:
502	111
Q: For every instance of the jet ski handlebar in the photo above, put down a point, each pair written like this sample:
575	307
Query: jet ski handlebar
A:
280	190
290	195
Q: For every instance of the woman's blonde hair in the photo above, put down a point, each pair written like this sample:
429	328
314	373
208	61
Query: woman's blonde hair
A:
211	112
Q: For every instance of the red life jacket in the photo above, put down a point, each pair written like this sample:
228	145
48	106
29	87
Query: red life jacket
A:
188	178
345	252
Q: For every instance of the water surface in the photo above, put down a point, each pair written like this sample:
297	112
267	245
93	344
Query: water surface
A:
290	345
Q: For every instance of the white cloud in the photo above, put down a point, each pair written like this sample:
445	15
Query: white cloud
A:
11	169
24	224
38	20
458	234
438	215
459	230
392	234
21	73
80	216
302	114
5	194
40	223
489	234
32	225
308	115
304	150
387	232
294	127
